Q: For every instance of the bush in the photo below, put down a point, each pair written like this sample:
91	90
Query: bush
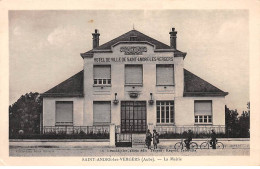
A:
61	135
170	135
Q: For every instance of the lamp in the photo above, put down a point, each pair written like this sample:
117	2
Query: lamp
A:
115	101
151	100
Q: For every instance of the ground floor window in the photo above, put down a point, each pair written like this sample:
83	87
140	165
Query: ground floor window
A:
64	113
203	111
203	119
101	112
165	112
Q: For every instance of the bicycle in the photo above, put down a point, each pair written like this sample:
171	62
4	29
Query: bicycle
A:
181	145
206	144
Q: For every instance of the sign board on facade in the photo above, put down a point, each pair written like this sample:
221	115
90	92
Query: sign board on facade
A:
133	59
133	50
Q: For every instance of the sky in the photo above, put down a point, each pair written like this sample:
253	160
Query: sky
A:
45	46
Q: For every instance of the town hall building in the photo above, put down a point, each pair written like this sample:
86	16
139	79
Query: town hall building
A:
136	83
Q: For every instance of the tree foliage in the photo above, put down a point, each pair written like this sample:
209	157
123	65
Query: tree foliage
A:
25	114
237	126
244	122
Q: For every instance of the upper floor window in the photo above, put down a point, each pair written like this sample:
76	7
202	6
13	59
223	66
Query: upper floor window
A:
165	75
64	113
203	111
102	75
133	38
165	112
133	74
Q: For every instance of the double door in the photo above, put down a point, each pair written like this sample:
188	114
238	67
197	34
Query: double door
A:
133	117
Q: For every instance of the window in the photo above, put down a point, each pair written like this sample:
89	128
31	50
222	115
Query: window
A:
133	38
64	113
133	74
203	112
165	75
101	112
102	75
165	112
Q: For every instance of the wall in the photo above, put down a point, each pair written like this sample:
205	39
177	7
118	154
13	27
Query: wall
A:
184	106
118	77
49	110
184	110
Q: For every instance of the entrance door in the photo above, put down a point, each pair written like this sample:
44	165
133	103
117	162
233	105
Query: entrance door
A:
133	116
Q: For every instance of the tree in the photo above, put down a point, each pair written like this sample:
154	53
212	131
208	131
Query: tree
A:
231	119
25	114
237	126
244	122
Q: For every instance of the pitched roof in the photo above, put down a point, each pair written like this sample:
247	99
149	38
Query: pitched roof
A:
195	86
139	37
72	87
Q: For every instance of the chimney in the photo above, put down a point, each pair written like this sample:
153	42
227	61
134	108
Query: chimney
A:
95	39
173	38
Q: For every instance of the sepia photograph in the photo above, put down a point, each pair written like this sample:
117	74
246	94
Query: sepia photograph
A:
129	83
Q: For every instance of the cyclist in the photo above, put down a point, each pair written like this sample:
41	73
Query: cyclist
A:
213	139
188	139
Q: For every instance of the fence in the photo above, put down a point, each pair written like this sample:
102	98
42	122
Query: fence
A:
105	129
195	129
123	137
76	129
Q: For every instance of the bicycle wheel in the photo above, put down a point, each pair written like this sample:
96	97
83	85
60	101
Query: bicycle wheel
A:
193	145
178	146
204	145
219	145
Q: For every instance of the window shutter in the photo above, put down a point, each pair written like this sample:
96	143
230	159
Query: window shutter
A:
102	112
165	75
102	72
133	74
64	111
203	108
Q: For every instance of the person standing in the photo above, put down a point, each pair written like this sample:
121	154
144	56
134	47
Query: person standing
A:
155	139
213	139
148	139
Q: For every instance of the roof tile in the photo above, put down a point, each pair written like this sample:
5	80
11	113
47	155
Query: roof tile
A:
69	88
195	86
126	38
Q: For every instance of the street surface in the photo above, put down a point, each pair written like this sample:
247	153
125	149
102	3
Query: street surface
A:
231	150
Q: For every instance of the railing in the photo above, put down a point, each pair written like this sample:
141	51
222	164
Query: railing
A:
76	129
195	129
137	128
118	129
123	137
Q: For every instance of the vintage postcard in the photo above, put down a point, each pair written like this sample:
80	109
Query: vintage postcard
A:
155	85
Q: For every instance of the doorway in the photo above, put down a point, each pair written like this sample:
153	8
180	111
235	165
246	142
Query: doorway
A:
133	117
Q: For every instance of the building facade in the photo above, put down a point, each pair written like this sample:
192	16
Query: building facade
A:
135	82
